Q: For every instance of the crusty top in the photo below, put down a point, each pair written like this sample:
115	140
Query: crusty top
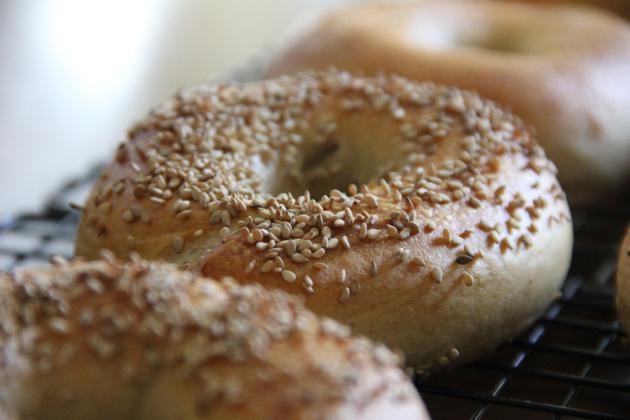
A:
234	164
238	344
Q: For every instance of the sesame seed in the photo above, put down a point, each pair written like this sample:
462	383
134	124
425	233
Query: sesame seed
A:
374	233
95	285
307	284
345	242
224	233
343	276
225	217
373	268
288	276
181	205
467	279
332	243
418	260
453	353
319	253
59	325
58	261
267	266
250	266
257	235
474	202
299	258
437	274
320	266
404	234
526	240
184	214
371	201
345	295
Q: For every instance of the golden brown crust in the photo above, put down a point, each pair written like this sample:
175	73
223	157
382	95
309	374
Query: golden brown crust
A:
623	282
103	340
559	68
458	238
620	7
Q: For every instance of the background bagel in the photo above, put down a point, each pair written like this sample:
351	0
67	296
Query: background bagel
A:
620	7
562	69
623	282
138	341
457	237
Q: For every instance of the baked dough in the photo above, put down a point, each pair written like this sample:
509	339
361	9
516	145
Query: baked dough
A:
423	216
103	341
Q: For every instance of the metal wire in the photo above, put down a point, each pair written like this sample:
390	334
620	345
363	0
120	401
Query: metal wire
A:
572	364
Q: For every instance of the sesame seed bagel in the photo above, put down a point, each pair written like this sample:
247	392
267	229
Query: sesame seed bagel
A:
623	282
423	216
560	68
104	340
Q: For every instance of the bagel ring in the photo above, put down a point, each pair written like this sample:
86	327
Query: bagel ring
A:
423	216
562	69
103	340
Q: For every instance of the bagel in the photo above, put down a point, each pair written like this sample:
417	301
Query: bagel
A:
562	69
104	340
623	282
620	7
423	216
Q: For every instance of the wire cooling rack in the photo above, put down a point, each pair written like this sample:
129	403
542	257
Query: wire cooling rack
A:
572	364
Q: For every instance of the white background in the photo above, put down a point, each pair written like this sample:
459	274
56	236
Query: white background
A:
74	74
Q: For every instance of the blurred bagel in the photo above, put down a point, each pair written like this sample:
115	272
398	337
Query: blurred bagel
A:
104	340
563	69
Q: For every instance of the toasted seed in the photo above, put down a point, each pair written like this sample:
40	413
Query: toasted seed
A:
345	295
468	279
437	274
250	266
267	266
289	276
298	258
373	268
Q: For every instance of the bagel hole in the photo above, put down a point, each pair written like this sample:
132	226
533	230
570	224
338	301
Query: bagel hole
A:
347	155
319	157
323	167
493	42
512	41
